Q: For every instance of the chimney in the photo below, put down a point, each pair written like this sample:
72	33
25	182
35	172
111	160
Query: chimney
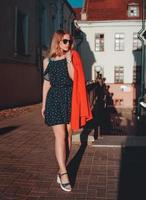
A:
83	16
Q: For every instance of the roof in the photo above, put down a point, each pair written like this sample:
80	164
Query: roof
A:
109	9
69	6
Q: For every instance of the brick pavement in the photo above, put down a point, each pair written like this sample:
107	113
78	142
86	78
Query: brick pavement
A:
28	167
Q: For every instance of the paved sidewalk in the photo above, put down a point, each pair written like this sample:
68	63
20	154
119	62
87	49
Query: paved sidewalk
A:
28	166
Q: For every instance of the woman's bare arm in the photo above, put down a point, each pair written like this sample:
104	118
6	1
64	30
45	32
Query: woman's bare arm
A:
46	87
70	65
71	70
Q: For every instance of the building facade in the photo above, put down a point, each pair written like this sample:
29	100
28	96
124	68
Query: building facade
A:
26	28
111	46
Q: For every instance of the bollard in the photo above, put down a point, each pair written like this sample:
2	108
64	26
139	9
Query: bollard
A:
99	133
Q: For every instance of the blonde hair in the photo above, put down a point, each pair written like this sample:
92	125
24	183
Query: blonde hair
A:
55	49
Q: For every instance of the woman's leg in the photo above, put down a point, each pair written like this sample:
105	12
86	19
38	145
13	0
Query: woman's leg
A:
69	141
60	150
69	130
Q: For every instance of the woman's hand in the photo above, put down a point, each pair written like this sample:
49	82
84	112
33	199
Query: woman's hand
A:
42	111
68	57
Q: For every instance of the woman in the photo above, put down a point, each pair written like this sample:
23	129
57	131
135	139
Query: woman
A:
60	96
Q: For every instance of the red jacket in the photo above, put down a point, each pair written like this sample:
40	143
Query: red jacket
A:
81	111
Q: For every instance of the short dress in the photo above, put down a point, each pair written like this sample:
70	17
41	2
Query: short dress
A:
58	101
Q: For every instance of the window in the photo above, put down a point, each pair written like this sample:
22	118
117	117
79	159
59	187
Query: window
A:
99	42
21	33
119	74
119	41
136	74
136	42
44	22
133	10
118	102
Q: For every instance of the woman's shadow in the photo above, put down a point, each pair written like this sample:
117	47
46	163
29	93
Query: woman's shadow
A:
74	164
93	124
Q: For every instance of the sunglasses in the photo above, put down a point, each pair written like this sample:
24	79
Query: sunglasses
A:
65	41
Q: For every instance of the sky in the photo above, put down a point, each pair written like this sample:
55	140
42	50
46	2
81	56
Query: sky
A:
76	3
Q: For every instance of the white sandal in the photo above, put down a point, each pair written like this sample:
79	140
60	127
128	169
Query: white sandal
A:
63	185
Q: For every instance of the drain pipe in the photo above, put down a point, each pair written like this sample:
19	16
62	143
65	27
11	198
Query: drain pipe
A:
140	98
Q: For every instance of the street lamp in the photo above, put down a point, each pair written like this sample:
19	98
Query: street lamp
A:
98	69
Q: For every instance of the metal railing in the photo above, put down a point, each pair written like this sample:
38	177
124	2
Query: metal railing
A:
92	88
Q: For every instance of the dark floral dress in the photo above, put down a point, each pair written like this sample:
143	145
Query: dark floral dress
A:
58	101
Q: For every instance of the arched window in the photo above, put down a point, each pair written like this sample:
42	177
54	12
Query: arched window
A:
133	10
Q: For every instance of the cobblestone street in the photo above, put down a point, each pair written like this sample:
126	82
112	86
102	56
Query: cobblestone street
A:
28	166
